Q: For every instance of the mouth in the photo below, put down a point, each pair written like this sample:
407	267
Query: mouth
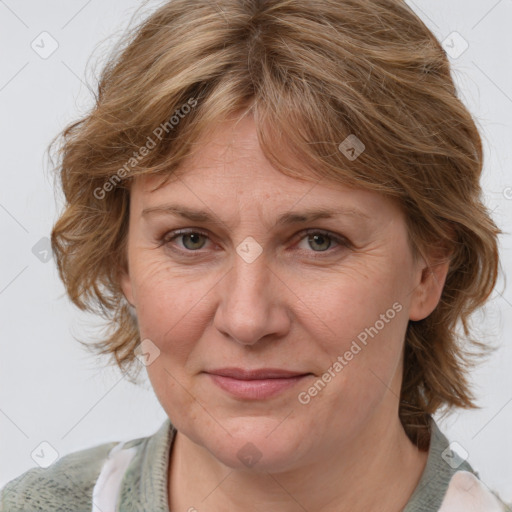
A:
255	384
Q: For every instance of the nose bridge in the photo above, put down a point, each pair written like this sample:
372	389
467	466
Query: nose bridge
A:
248	305
249	283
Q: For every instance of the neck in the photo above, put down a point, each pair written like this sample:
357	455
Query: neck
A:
377	470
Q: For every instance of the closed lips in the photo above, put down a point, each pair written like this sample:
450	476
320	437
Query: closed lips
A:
259	374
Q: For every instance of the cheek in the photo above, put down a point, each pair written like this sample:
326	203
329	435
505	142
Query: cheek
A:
358	321
350	303
171	314
171	306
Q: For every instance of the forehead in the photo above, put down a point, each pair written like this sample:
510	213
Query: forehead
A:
228	170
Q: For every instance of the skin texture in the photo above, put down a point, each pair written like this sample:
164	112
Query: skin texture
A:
298	306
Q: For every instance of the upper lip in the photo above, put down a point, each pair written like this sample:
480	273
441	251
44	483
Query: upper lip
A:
261	373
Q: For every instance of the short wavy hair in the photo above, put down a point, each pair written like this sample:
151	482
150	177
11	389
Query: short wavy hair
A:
312	72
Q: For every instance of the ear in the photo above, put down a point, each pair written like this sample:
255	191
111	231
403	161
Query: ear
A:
126	286
432	269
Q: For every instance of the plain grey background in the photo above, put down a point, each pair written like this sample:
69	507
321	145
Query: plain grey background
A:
51	390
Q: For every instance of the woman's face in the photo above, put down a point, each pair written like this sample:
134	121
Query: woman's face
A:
260	286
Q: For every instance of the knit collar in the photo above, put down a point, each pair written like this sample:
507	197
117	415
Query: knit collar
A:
442	464
145	485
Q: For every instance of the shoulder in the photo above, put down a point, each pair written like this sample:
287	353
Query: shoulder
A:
467	493
66	484
449	483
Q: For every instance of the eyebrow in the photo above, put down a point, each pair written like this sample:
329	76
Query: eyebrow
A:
288	218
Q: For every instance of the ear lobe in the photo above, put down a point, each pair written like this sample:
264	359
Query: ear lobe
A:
428	292
126	286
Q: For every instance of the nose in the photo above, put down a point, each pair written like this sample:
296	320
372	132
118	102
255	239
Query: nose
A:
252	303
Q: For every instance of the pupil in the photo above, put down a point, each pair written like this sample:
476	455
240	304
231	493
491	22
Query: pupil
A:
321	237
194	238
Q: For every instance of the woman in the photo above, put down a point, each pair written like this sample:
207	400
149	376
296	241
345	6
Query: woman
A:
276	205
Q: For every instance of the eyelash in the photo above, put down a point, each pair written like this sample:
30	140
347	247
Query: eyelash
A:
172	235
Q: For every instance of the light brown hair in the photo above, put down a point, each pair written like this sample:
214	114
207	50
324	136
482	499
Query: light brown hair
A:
312	72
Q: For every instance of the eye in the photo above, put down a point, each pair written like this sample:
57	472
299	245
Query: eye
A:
191	240
322	240
194	240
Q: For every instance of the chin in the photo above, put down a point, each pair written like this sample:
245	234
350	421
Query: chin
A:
257	444
260	455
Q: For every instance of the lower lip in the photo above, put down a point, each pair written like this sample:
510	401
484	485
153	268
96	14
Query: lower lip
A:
255	389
